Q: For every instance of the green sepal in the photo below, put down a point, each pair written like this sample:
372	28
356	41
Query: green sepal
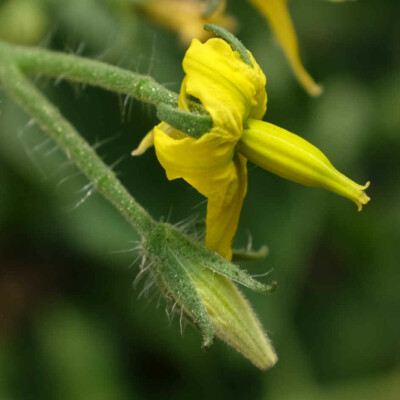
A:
174	258
197	254
175	282
232	40
249	255
193	124
226	268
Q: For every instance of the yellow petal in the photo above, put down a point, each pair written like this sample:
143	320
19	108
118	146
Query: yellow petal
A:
223	212
230	91
291	157
277	14
147	142
207	165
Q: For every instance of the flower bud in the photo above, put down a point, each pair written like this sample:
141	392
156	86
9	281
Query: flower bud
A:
200	283
291	157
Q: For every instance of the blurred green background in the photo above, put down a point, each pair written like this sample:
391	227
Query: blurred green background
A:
72	326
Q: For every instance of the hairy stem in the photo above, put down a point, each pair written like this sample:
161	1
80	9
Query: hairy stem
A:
75	147
95	73
79	69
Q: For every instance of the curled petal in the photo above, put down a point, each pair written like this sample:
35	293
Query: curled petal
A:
146	143
229	89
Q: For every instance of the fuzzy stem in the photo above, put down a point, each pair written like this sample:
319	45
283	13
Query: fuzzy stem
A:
95	73
79	69
75	147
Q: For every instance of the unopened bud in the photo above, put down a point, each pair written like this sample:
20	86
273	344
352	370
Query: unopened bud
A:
200	283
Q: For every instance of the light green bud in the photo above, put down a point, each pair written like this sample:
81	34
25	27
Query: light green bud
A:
200	283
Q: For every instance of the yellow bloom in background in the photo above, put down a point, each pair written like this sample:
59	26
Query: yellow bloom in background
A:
185	17
277	14
215	164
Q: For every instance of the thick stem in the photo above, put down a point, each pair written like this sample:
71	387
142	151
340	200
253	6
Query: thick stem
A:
75	147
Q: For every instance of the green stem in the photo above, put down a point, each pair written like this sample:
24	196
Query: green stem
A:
79	69
95	73
50	120
183	120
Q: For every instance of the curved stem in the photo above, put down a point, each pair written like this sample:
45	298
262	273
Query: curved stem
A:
95	73
79	69
75	147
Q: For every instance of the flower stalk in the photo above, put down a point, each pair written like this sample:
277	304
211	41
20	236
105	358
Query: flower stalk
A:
95	73
78	149
83	70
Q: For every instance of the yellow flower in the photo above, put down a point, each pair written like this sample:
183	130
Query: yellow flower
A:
186	17
277	14
233	93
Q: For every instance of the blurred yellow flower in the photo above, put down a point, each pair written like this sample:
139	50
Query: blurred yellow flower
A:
277	14
185	17
233	93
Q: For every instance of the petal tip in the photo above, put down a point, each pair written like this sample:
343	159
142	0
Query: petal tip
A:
269	360
146	142
363	198
366	186
315	90
136	152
